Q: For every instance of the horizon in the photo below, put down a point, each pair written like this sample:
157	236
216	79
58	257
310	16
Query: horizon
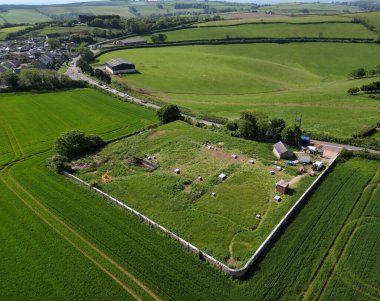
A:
55	2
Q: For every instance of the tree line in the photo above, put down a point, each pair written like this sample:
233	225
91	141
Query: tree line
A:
34	79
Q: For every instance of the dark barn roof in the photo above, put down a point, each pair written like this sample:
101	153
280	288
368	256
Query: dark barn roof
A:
117	62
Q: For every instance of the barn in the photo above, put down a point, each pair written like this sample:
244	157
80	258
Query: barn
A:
119	66
282	151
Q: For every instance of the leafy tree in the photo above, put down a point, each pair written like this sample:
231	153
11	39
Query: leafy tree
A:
103	76
86	53
246	129
54	44
358	73
353	90
160	38
231	125
10	79
291	134
58	163
276	127
169	113
75	143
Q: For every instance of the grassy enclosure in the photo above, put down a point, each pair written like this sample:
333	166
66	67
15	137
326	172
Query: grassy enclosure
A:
310	78
83	109
225	224
312	240
5	31
277	30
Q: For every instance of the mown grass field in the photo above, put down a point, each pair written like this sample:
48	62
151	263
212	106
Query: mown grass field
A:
280	80
85	109
23	16
326	30
372	18
234	18
309	8
183	203
42	212
5	31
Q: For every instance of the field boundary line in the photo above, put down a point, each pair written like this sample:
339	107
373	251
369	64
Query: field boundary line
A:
80	237
102	268
236	273
357	222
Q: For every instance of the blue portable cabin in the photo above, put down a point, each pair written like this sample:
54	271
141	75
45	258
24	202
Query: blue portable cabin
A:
304	141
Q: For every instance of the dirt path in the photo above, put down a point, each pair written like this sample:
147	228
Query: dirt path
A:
50	218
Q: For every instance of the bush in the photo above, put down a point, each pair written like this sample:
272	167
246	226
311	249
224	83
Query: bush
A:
75	143
58	163
232	125
169	113
291	134
353	90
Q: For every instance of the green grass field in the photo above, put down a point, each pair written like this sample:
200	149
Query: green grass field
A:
58	238
372	18
231	20
23	16
183	203
280	80
337	30
309	8
4	31
85	109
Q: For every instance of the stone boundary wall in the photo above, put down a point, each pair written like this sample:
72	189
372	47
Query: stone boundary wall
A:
236	273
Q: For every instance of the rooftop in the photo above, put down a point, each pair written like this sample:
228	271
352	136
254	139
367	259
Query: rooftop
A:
116	62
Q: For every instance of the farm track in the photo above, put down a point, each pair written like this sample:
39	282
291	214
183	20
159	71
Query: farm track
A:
331	248
344	249
295	254
115	271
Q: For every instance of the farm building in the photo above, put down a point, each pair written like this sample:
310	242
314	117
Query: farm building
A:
119	66
282	186
304	158
282	151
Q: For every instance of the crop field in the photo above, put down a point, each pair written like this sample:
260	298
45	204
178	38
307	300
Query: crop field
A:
326	30
61	241
93	112
5	31
280	80
23	16
234	18
224	225
309	8
372	18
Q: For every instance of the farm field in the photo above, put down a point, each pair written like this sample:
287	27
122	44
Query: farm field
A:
326	30
23	16
225	225
310	78
372	18
309	8
4	31
247	18
285	272
72	109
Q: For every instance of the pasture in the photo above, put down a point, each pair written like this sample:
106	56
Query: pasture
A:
224	225
280	80
280	30
46	115
23	16
372	18
46	218
309	8
5	31
241	18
